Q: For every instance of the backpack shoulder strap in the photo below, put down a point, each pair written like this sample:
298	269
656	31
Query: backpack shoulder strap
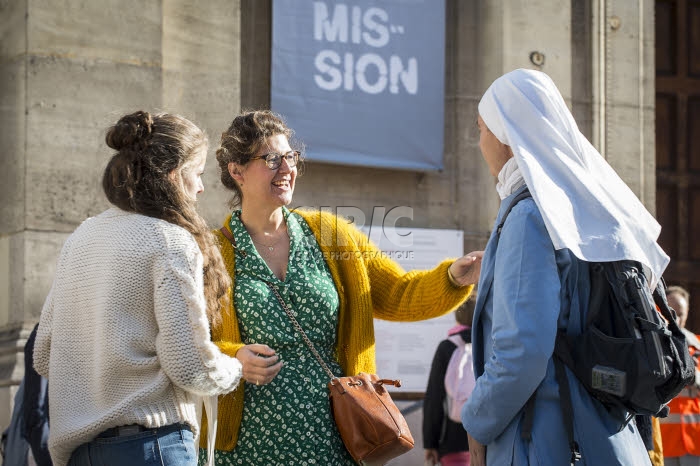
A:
529	408
456	339
523	195
567	408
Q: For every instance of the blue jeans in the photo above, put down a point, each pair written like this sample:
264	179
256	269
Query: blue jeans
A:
171	445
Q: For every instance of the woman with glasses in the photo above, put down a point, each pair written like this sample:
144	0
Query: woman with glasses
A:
333	280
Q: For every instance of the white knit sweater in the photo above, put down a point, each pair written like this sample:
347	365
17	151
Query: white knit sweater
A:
123	336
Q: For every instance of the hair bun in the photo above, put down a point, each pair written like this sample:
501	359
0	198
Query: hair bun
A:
130	130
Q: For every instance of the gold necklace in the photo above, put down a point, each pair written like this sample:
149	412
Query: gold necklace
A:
271	247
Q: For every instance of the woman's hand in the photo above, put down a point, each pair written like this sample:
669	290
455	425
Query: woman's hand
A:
431	457
477	452
465	270
260	363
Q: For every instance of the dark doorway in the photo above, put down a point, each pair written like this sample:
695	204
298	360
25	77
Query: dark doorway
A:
678	144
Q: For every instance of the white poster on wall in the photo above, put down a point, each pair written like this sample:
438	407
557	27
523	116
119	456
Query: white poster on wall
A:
405	349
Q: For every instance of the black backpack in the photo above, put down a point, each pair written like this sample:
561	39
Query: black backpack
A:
628	357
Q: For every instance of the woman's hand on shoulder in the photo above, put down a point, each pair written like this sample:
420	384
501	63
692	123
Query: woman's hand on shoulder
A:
465	270
260	363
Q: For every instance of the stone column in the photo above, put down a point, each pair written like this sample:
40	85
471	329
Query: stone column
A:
490	39
623	90
67	74
600	56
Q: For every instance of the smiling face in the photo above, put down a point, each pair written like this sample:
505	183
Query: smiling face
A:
262	186
495	153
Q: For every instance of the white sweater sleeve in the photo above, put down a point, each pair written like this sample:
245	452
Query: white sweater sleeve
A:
42	344
183	344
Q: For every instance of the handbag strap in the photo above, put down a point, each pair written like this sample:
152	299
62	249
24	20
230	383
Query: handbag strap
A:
229	236
396	383
299	329
224	231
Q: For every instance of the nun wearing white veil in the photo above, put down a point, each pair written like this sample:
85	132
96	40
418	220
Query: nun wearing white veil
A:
535	279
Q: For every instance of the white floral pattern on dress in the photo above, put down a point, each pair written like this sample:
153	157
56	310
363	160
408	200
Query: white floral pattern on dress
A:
287	421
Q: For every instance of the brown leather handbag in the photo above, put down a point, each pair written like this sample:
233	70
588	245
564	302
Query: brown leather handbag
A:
371	426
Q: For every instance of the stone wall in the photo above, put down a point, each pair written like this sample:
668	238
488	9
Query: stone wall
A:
68	73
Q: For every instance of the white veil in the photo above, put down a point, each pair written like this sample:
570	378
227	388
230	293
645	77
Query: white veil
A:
586	207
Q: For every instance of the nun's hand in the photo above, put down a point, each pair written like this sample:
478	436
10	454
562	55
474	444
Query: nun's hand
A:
477	452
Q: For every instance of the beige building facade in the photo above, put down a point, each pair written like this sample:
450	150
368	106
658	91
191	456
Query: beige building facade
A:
69	69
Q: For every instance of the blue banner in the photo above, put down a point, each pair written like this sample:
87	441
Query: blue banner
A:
362	82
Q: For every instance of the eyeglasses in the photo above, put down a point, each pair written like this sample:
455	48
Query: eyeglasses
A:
273	160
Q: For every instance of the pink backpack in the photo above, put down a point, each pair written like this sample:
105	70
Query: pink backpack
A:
459	378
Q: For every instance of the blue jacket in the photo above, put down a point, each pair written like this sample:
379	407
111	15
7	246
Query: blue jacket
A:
527	291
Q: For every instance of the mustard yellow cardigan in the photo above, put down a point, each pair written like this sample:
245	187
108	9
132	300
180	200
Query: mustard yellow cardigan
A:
369	285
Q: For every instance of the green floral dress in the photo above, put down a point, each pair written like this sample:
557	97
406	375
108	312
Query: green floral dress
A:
288	421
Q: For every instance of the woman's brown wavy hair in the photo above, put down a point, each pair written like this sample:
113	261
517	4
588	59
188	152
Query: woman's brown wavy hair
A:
150	147
248	132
